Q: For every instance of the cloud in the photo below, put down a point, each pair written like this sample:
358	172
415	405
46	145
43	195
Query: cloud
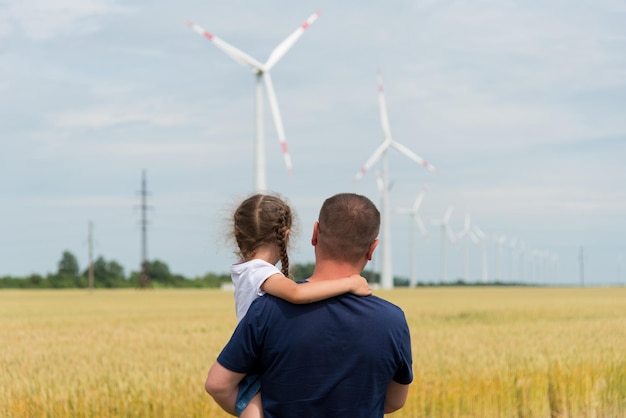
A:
546	201
113	115
44	19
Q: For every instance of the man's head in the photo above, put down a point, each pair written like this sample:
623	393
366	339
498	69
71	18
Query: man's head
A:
347	228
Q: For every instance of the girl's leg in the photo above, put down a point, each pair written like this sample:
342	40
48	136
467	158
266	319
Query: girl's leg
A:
254	408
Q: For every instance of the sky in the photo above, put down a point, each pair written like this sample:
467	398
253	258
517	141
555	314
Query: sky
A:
519	104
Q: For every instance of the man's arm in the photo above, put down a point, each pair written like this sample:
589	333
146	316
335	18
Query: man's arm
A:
223	385
395	397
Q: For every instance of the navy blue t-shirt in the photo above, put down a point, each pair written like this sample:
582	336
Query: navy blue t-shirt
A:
331	358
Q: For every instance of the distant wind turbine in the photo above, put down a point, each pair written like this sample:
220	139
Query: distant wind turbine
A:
416	219
381	153
445	232
512	247
522	260
262	71
467	234
499	241
483	245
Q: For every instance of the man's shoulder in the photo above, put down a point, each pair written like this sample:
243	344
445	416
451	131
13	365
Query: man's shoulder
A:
378	299
266	301
384	304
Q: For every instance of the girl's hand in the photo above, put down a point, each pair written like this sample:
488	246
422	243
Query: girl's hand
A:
360	287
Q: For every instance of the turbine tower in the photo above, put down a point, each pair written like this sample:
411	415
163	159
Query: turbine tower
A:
380	187
466	234
499	241
512	247
522	260
262	71
416	219
386	280
483	245
445	231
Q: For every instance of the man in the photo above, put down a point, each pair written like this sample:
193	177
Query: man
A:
347	356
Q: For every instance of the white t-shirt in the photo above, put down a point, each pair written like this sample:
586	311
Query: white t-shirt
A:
248	278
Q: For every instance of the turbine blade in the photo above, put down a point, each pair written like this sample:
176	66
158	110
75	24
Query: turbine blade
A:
467	223
271	95
375	156
450	234
420	226
285	45
480	233
236	54
418	201
382	105
407	152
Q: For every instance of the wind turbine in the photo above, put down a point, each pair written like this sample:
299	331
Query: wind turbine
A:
499	241
483	245
380	186
445	231
262	71
381	153
466	234
554	266
512	247
522	260
416	219
535	266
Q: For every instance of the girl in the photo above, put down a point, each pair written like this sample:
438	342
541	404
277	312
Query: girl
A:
261	226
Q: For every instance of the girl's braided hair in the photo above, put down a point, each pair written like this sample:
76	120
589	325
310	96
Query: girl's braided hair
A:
263	219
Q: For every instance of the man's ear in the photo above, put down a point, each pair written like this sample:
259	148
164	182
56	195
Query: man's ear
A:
370	251
316	226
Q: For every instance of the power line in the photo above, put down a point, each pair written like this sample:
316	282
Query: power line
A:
144	276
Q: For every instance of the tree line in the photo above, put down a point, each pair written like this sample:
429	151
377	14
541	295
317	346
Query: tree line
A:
109	274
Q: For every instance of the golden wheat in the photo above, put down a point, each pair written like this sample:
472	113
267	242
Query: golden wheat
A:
478	352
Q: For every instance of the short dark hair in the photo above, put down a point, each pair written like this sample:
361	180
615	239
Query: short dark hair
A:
348	225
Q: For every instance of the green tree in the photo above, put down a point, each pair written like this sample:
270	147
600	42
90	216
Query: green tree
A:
35	280
68	265
301	271
159	272
107	273
67	273
212	280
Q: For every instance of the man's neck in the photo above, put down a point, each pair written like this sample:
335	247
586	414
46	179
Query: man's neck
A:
326	270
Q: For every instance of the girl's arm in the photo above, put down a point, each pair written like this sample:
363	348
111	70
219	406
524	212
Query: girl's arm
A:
284	288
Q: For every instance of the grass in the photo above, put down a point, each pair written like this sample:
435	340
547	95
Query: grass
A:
477	352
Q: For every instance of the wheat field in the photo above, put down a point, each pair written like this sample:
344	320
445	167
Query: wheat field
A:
477	352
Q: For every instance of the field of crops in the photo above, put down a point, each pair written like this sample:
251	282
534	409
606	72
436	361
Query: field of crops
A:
477	352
